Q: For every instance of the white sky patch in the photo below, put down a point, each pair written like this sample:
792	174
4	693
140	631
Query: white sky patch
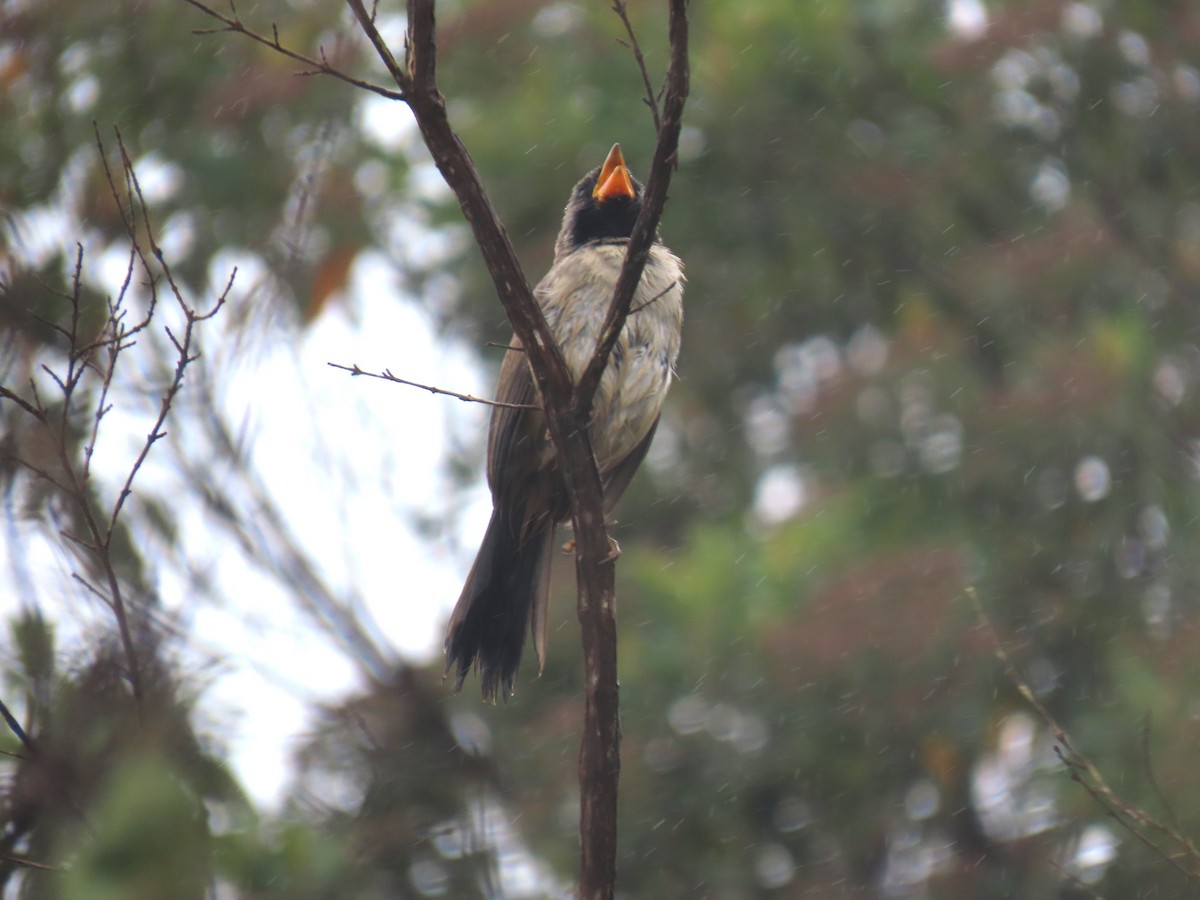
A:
781	493
967	19
386	123
388	440
348	458
160	179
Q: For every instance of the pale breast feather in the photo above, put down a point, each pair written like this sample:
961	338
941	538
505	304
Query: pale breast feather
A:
639	372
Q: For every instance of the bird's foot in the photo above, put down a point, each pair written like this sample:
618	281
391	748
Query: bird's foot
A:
614	551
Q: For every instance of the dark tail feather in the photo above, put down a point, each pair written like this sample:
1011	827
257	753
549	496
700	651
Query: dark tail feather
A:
506	595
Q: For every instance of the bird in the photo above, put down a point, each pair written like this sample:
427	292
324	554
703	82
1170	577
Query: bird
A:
506	593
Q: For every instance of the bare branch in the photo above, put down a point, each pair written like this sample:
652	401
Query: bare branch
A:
72	476
26	863
99	594
15	726
672	286
1125	815
6	394
599	753
1076	882
1148	762
39	471
367	22
317	66
653	200
1084	772
75	478
454	163
650	99
115	314
386	375
183	346
565	405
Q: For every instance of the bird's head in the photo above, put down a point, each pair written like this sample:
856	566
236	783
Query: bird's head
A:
604	204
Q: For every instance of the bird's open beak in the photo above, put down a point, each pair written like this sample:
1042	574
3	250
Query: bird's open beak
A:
614	179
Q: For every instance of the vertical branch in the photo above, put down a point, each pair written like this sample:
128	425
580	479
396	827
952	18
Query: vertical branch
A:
650	100
567	406
419	86
600	746
654	199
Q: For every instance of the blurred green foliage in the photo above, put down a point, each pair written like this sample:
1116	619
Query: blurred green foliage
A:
941	333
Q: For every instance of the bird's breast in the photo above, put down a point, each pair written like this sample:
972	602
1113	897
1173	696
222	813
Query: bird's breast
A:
575	296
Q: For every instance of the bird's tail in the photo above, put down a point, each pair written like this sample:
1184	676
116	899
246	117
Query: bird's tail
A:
506	593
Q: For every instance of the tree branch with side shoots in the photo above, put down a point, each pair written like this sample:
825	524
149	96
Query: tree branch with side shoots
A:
1181	852
566	405
386	375
232	24
651	100
95	359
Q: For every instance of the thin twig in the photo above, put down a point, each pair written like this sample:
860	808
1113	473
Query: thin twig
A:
114	347
15	726
1148	761
600	747
670	287
454	162
318	66
565	405
100	595
41	473
7	394
1122	813
27	863
386	375
117	337
1084	772
650	100
653	199
367	22
75	478
1076	881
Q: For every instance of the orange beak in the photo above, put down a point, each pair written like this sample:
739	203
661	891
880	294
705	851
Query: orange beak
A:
614	179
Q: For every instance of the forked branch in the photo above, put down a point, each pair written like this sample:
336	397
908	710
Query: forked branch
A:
96	359
232	24
566	405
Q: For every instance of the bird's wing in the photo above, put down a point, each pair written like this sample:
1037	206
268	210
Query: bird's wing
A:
622	473
509	427
519	486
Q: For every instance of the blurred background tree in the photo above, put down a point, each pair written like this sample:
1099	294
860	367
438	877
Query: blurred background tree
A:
943	267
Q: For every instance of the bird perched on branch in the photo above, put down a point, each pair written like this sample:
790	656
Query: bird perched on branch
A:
507	591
